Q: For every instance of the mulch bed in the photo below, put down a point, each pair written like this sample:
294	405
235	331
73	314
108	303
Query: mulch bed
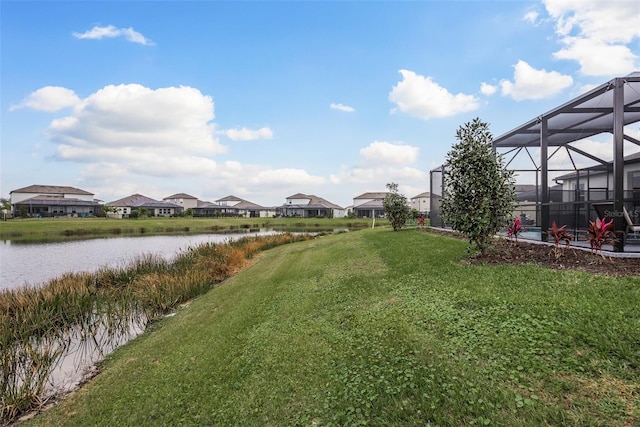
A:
504	251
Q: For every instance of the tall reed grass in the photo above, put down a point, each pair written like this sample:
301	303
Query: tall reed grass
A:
37	325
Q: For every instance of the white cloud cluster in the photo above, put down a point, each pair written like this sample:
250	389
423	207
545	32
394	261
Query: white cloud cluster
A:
597	34
162	132
110	31
342	107
421	97
487	89
382	152
384	162
49	98
529	83
244	134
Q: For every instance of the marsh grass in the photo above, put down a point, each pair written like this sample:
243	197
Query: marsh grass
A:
38	325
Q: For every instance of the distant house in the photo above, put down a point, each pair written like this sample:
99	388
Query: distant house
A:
209	209
245	208
53	201
421	202
183	199
369	205
310	206
131	205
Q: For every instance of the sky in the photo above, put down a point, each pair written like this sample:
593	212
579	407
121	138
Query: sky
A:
266	99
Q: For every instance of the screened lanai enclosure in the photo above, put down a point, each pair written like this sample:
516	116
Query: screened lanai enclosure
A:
563	173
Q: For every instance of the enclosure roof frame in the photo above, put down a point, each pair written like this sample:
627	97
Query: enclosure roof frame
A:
587	115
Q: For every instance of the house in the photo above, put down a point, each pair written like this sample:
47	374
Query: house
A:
596	182
183	199
594	186
53	201
245	208
421	202
209	209
310	206
132	205
369	205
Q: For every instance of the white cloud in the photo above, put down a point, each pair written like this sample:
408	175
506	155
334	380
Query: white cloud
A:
487	89
110	31
530	83
245	134
382	152
421	97
49	98
377	177
597	58
287	177
597	34
531	16
342	107
163	132
382	163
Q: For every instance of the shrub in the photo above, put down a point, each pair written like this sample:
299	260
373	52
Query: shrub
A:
479	192
395	207
559	234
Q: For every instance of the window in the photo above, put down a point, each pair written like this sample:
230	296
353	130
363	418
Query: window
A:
634	179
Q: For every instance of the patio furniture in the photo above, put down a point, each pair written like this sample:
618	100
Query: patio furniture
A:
601	208
635	228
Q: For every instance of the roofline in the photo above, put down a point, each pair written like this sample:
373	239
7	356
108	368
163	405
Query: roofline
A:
597	91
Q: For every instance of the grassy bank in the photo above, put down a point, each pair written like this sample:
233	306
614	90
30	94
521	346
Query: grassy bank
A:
38	325
55	228
380	328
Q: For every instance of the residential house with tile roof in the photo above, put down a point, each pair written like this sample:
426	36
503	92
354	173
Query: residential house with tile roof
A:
310	206
246	208
131	205
185	200
421	202
53	201
369	205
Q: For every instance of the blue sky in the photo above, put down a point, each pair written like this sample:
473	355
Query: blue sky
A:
266	99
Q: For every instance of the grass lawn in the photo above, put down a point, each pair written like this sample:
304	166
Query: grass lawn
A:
380	328
48	228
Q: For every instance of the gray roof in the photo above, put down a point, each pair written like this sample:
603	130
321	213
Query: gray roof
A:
315	202
425	194
377	203
180	196
379	195
140	201
57	201
242	204
51	189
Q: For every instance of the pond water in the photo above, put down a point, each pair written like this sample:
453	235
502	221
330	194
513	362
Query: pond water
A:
34	264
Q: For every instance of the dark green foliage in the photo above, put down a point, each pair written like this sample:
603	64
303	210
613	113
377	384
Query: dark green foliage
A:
395	207
479	193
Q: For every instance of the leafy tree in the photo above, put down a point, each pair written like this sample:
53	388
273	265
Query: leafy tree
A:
106	209
395	207
5	203
479	192
143	212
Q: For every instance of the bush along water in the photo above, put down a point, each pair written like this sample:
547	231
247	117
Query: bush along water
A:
38	325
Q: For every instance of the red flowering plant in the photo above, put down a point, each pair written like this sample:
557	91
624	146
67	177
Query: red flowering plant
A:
514	229
559	234
601	233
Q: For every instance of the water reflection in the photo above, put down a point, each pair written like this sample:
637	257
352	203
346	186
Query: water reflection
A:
35	264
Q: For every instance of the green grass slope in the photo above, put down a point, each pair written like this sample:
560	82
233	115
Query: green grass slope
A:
380	328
